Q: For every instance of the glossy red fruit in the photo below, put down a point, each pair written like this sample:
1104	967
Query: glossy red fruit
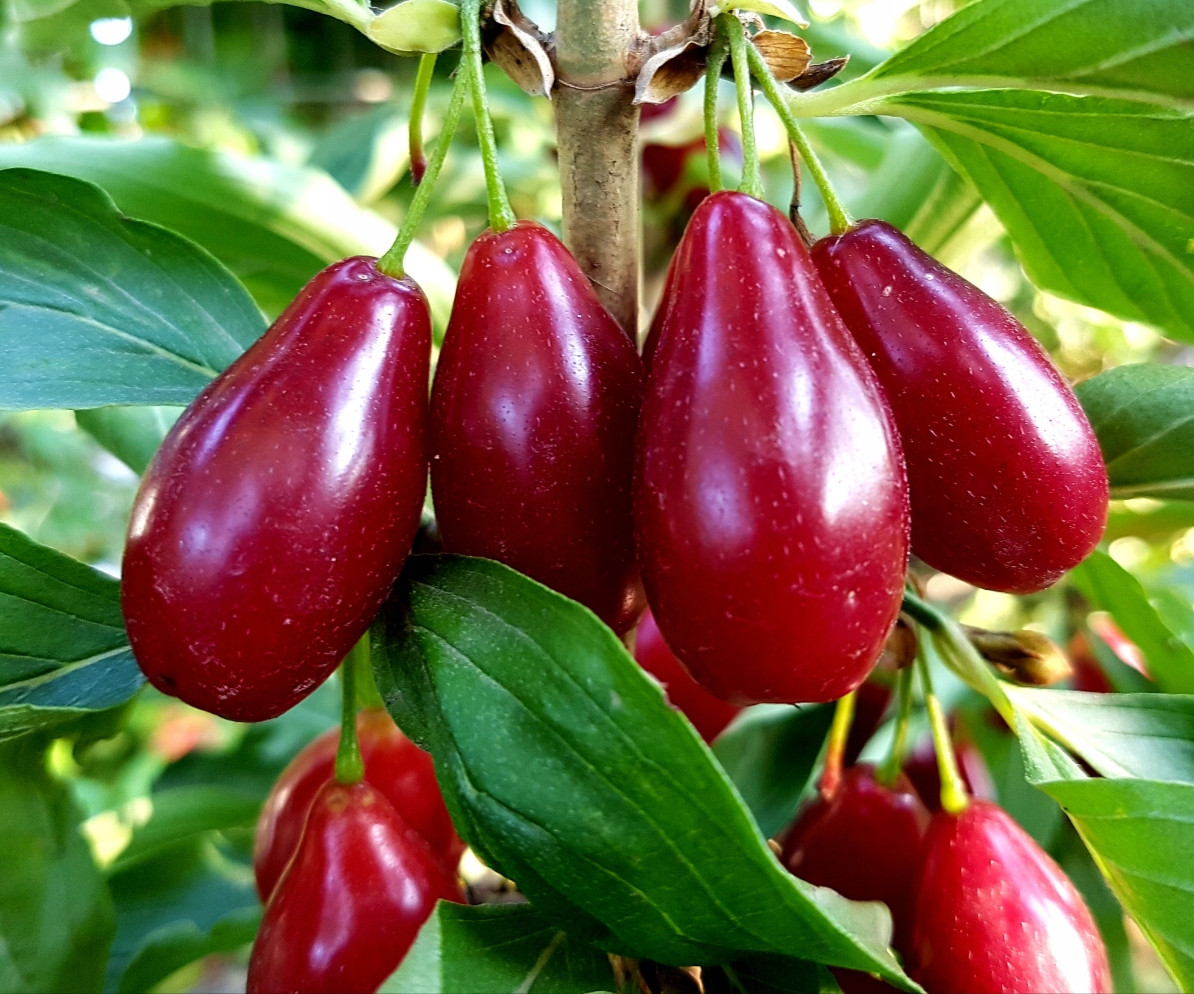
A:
349	906
1008	485
277	513
863	841
770	501
709	715
533	415
993	913
397	768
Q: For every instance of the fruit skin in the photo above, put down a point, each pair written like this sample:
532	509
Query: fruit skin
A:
533	415
863	841
349	906
1008	486
277	513
709	715
993	913
394	766
770	501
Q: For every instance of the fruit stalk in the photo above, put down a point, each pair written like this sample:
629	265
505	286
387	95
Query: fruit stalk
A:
350	767
597	135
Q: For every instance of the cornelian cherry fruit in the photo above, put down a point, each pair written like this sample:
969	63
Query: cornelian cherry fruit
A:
771	508
993	913
278	511
533	415
351	902
394	766
1008	486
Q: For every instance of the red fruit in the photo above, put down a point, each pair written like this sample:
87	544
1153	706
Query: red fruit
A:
1008	486
993	913
708	714
864	842
394	766
277	513
533	416
770	501
349	906
922	770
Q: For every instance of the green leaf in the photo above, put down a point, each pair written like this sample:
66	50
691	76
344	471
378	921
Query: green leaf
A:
132	434
144	316
63	651
56	919
1104	47
494	949
1143	416
1148	736
275	226
566	770
414	26
1141	834
1110	587
769	755
1097	194
782	9
177	944
780	975
366	153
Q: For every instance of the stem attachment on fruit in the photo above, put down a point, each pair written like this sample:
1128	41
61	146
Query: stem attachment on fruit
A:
350	768
418	158
501	215
392	262
715	60
735	31
839	219
889	769
835	749
955	798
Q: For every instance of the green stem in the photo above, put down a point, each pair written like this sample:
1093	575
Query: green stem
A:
752	177
418	158
715	59
955	798
501	215
957	653
835	750
890	767
839	219
392	262
350	768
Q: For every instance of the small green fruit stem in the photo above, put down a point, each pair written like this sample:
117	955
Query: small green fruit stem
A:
835	749
735	31
715	59
501	215
350	768
392	262
839	219
959	655
889	769
954	796
418	158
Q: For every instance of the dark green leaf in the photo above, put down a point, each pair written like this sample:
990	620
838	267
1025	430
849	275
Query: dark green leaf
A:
1148	736
177	944
1112	588
1144	418
497	949
1097	194
770	755
63	651
1142	836
566	770
367	153
144	316
55	912
275	226
131	434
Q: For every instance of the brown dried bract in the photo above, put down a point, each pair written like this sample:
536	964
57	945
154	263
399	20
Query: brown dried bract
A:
517	45
786	55
673	61
818	73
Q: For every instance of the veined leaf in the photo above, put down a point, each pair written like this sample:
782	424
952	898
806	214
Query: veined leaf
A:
144	316
63	651
501	949
1144	418
564	767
